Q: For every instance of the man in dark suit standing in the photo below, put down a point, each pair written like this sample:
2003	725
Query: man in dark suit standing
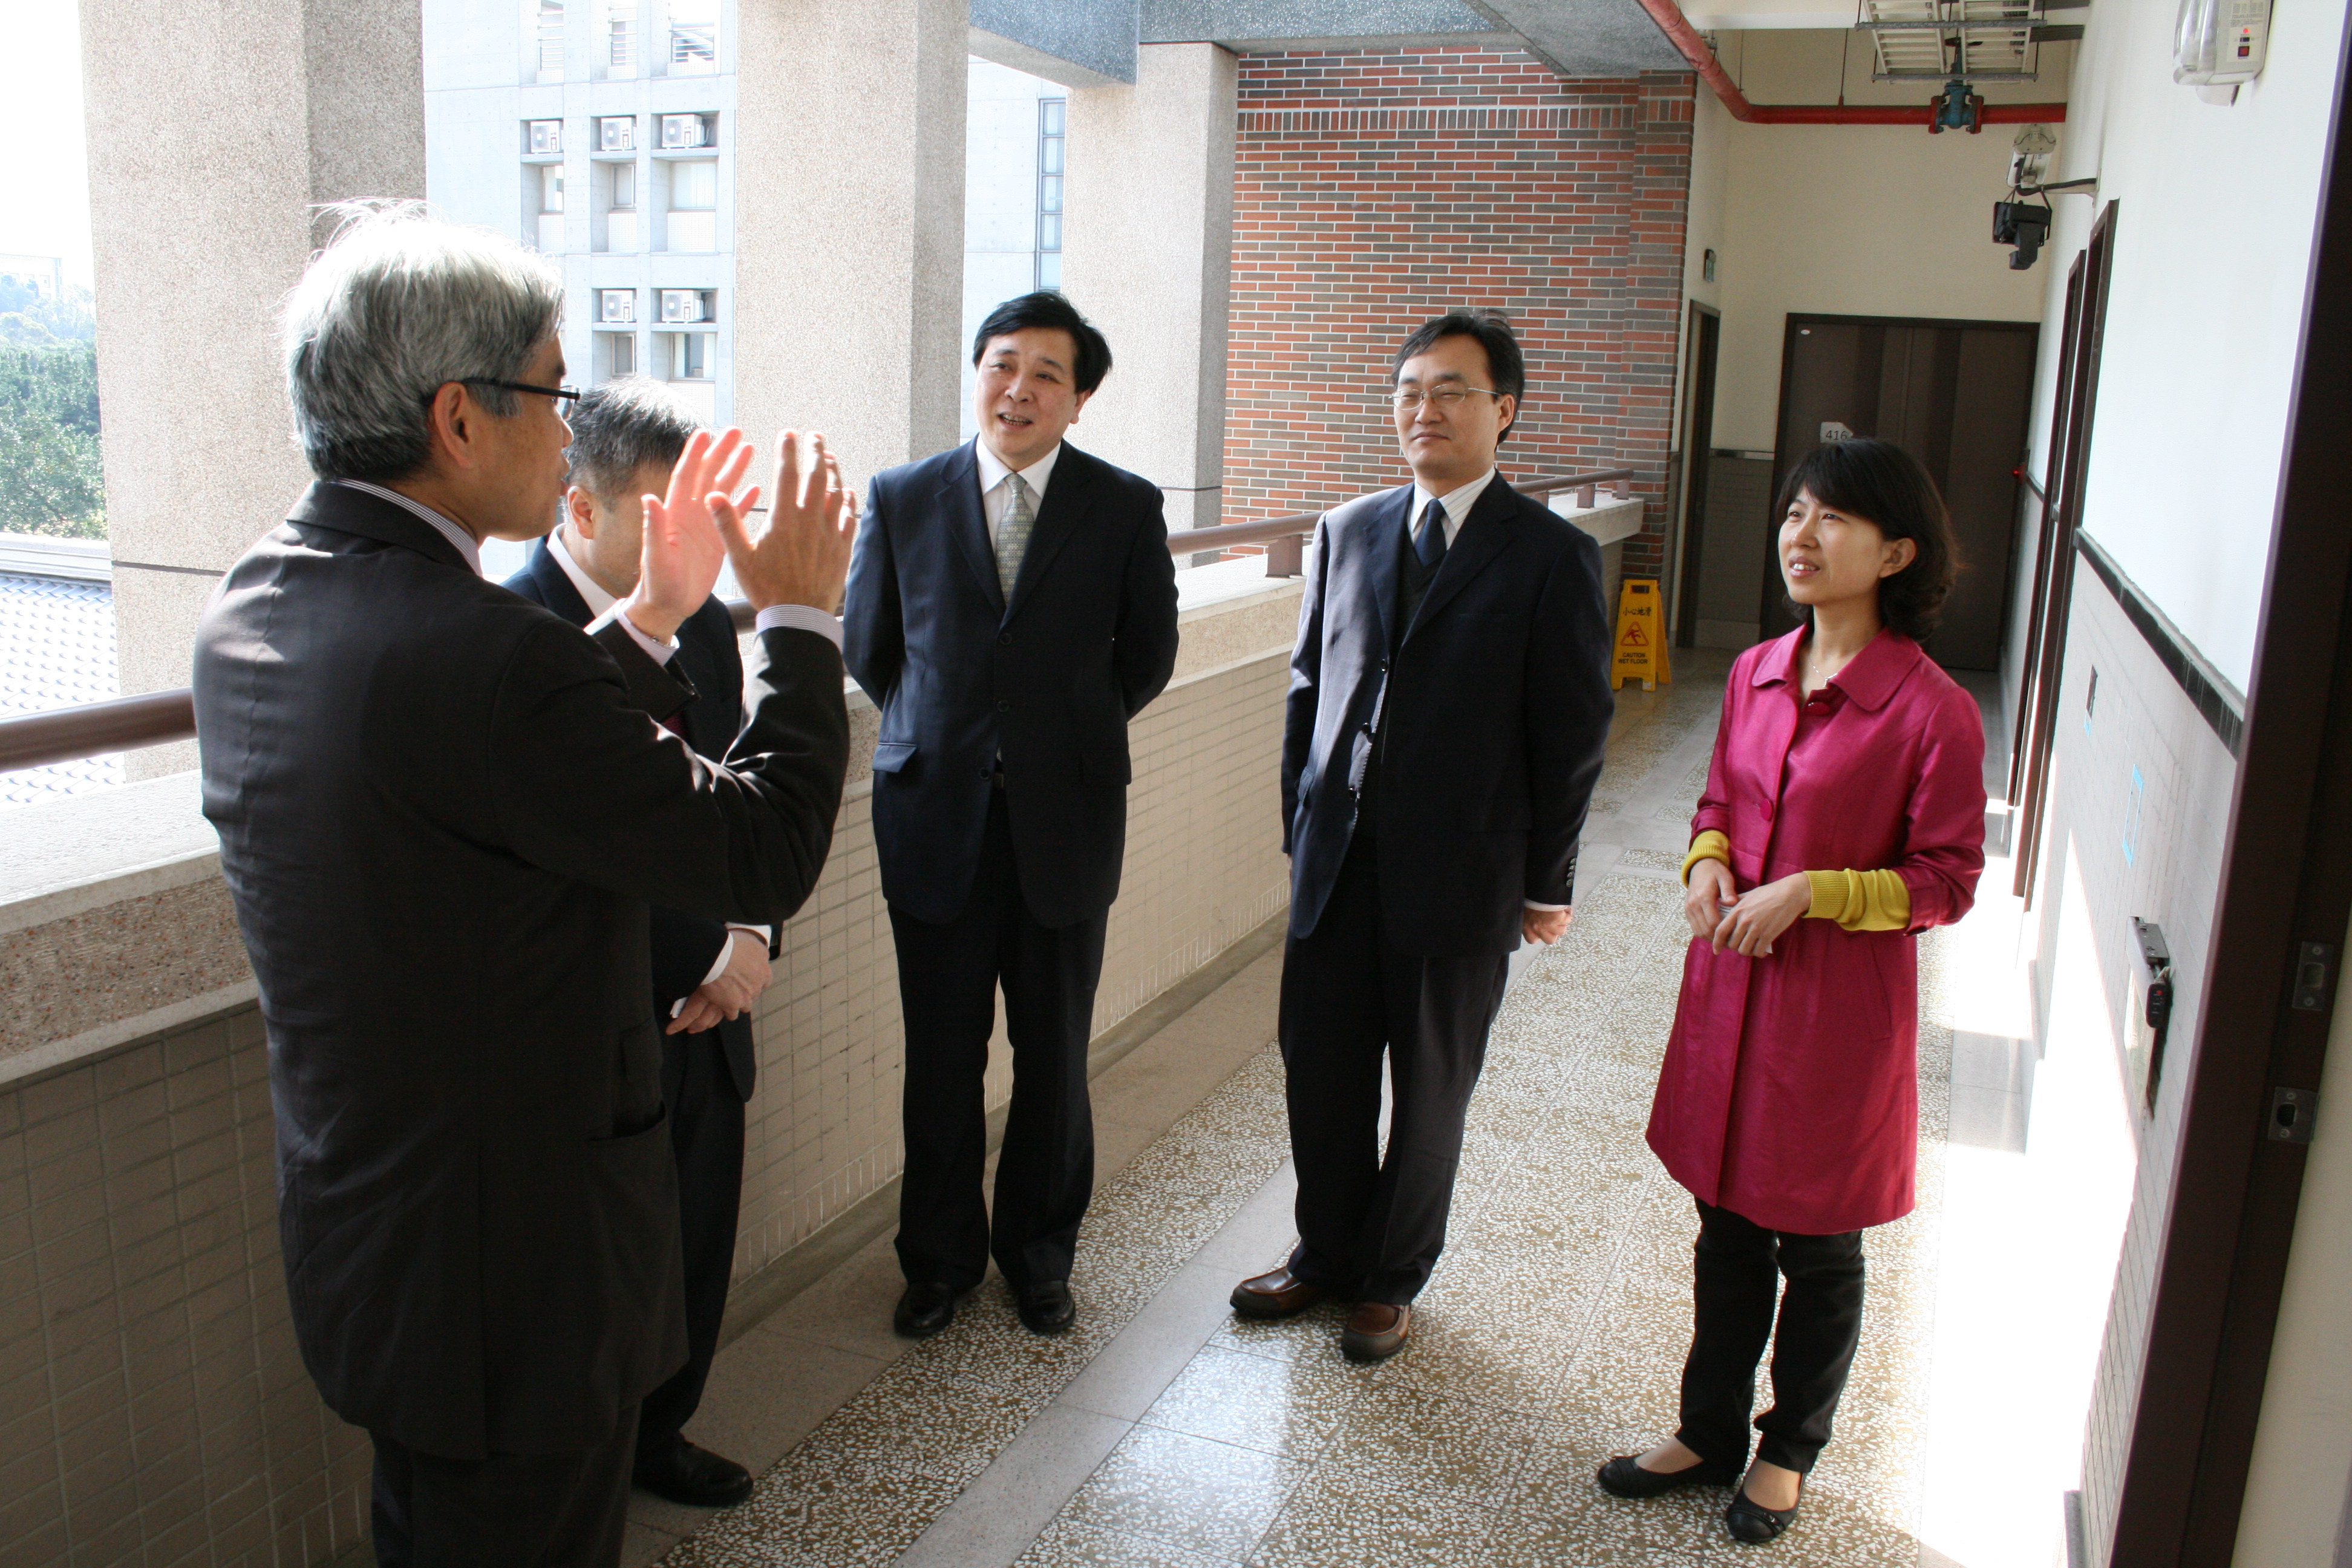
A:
1449	699
443	814
626	435
1012	606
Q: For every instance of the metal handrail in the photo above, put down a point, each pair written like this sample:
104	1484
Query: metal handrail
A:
162	718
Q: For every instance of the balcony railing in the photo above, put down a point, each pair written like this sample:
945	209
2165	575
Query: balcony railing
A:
162	718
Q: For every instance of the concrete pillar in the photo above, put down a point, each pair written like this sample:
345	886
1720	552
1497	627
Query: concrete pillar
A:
849	224
212	132
1147	256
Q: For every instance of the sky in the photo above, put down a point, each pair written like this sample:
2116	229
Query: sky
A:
46	208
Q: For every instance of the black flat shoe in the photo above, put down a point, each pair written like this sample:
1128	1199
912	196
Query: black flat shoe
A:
928	1307
1047	1309
1624	1477
1752	1522
680	1472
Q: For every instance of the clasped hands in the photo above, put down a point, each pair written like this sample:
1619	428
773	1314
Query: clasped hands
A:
1748	922
799	557
731	993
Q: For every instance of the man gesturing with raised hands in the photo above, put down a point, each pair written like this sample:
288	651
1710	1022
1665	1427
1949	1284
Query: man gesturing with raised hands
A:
443	813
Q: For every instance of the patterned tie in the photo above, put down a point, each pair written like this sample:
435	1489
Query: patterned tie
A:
1429	544
1012	533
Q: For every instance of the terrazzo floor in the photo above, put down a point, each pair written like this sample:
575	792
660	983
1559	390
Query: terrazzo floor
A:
1163	1432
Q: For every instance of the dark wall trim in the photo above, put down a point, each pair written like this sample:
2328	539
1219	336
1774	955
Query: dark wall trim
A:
2216	702
183	571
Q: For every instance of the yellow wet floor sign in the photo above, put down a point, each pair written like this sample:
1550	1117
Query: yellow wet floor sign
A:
1641	638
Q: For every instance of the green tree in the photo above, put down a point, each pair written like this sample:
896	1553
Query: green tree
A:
51	480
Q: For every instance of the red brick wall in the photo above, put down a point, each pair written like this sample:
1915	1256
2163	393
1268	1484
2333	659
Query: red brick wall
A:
1372	192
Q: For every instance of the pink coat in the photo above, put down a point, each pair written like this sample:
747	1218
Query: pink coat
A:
1789	1093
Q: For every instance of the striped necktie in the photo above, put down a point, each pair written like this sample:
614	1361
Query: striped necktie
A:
1012	533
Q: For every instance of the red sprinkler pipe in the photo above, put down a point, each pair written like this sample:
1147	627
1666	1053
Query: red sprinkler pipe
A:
1675	25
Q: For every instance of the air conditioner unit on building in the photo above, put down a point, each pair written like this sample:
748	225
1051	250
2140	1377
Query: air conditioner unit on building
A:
617	134
617	305
683	130
547	136
681	305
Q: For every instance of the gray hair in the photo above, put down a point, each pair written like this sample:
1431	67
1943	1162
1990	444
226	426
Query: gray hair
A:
400	304
622	425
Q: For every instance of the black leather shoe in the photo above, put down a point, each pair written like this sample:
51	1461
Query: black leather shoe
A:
680	1472
1624	1477
928	1307
1754	1523
1047	1309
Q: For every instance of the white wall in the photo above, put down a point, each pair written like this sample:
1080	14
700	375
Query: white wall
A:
1000	196
2212	261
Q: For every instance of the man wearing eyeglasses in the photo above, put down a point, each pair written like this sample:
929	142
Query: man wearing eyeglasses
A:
1449	699
444	812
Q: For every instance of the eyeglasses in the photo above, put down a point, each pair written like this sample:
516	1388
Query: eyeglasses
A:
561	393
1449	396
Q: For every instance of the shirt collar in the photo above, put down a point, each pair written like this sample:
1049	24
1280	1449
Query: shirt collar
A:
992	470
465	541
1869	678
1457	502
592	592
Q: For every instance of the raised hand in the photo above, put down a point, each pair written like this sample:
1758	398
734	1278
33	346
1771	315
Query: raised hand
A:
802	556
683	549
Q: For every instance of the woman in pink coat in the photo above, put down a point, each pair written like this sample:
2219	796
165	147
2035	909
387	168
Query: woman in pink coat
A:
1844	814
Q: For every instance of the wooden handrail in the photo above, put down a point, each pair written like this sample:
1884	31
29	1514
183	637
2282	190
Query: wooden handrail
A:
162	718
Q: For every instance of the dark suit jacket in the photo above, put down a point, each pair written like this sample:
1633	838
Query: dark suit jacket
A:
685	946
1497	707
443	813
1048	681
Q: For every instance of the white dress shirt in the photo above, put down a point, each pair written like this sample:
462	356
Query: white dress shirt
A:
1457	504
995	495
600	604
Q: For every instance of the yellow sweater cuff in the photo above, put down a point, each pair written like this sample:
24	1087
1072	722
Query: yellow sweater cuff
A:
1708	846
1859	901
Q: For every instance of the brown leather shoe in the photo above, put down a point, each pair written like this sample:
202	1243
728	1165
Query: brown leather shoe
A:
1375	1331
1277	1294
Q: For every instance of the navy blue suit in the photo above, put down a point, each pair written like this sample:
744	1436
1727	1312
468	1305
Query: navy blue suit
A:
706	1077
1415	848
1000	820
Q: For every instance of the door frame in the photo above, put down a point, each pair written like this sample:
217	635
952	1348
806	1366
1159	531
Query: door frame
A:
2286	879
2054	455
1705	346
1784	459
2070	441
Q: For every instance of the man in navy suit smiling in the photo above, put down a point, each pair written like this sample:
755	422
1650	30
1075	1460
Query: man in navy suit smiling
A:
1011	607
1449	701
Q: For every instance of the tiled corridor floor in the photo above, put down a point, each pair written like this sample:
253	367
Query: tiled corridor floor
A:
1162	1431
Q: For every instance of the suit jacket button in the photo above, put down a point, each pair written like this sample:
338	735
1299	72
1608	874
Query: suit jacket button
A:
1005	639
1004	707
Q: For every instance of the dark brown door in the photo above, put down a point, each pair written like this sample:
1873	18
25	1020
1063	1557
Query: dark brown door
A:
1698	435
1953	394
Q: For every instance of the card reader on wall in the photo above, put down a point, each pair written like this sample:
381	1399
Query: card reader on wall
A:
2151	1009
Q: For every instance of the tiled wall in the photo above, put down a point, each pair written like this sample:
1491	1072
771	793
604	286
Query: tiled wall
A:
2140	800
1372	192
153	1407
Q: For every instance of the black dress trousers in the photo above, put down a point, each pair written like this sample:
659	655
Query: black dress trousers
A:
510	1511
706	1130
947	979
1737	1271
1371	1227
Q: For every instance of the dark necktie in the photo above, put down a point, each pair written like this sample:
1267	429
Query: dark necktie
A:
1429	544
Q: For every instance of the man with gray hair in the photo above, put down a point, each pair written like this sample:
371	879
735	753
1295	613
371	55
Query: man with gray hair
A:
626	434
444	814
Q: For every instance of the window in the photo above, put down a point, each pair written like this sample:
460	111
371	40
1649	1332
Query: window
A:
551	187
621	39
694	184
1053	119
550	40
691	356
693	37
625	187
620	353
